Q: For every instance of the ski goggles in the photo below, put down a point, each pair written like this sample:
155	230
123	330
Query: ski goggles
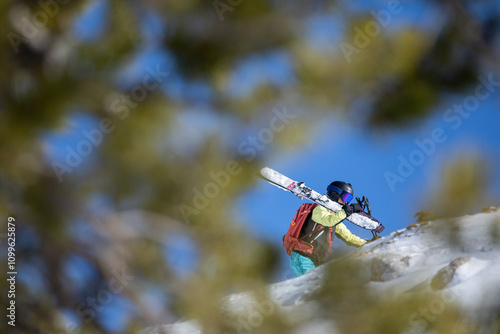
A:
344	195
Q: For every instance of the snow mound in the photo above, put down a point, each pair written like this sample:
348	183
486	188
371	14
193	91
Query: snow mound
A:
458	258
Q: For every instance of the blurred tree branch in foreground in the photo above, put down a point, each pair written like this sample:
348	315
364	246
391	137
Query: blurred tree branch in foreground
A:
160	101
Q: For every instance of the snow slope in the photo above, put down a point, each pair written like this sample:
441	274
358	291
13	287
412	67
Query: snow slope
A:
457	260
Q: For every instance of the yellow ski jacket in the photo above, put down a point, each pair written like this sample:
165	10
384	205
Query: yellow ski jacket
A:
328	218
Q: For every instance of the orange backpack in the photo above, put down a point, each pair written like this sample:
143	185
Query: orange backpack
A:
291	240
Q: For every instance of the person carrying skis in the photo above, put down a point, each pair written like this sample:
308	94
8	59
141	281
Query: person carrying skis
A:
316	233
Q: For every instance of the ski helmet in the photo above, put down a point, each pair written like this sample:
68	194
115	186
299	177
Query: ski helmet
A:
339	189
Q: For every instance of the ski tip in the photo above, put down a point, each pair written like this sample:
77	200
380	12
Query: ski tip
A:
264	172
265	169
259	174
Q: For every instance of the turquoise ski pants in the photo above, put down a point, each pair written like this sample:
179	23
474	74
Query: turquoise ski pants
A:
300	264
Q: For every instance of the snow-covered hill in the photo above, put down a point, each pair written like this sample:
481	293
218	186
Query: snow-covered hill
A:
438	266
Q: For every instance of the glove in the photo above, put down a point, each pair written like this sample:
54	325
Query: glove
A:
351	208
356	207
348	209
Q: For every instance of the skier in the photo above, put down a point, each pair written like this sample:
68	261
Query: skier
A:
317	230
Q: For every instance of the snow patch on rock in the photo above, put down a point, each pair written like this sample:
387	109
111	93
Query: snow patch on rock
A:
389	267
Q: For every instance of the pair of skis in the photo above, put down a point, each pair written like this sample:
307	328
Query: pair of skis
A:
361	219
